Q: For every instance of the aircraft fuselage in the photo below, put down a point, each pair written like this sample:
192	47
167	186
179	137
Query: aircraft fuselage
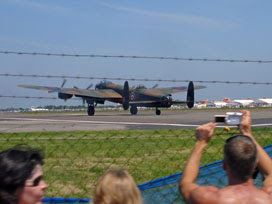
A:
139	96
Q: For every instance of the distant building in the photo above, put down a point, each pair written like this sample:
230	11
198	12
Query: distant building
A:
245	102
266	102
38	109
220	104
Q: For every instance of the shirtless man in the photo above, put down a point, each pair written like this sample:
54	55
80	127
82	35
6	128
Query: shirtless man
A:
242	154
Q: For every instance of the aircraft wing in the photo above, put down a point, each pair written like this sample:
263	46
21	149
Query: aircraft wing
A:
44	88
169	90
100	94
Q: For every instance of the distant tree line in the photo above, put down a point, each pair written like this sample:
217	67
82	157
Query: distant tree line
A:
53	107
61	107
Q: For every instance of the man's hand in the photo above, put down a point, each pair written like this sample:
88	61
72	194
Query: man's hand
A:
204	132
245	124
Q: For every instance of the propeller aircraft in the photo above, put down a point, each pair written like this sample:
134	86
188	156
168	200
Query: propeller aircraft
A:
139	96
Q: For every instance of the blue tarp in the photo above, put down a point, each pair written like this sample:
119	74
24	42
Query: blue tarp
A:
165	190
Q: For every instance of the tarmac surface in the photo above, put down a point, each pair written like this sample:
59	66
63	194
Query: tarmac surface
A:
119	120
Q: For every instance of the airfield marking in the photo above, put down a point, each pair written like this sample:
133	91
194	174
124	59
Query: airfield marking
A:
104	122
129	123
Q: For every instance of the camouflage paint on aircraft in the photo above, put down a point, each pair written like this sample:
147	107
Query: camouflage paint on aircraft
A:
139	96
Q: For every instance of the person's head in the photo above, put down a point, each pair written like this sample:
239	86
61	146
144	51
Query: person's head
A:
21	176
240	157
116	187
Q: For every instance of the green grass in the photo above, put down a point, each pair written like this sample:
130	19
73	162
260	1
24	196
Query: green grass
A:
75	160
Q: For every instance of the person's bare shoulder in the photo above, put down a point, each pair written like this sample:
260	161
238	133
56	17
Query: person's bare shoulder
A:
241	194
205	194
238	194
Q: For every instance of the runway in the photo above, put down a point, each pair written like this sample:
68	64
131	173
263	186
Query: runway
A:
119	120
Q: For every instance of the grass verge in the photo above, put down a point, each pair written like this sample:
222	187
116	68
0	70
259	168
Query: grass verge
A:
75	160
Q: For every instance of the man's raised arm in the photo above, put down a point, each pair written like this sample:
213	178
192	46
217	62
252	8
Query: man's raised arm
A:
187	183
264	161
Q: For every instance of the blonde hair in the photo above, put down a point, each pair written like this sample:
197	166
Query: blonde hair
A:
116	187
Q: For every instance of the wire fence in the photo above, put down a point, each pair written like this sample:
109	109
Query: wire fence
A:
75	160
48	54
135	79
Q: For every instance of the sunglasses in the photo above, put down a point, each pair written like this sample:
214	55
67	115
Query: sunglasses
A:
36	181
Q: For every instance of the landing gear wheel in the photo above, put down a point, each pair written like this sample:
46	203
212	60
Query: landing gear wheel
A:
133	110
91	110
158	112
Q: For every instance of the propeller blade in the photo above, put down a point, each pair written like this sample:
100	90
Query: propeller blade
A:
90	86
64	81
155	86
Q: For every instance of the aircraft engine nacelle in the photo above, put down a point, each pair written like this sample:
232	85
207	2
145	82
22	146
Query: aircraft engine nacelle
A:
166	101
65	96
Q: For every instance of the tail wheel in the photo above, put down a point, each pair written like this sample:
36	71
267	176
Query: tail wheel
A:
158	112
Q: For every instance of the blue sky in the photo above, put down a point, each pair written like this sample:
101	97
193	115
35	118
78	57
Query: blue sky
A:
225	29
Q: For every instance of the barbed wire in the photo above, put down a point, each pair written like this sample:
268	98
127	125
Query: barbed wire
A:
134	79
136	57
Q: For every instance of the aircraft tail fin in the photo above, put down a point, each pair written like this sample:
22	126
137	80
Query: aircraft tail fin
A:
190	95
126	96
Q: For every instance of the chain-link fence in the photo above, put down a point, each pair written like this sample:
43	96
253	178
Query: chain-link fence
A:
75	160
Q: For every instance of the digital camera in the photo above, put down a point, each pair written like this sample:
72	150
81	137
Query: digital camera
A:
231	118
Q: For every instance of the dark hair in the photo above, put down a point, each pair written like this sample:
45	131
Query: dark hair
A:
240	155
16	166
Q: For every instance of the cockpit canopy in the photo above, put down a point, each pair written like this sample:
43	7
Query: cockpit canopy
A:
105	82
102	84
141	86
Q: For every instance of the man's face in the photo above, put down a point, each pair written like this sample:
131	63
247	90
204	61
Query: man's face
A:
32	193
